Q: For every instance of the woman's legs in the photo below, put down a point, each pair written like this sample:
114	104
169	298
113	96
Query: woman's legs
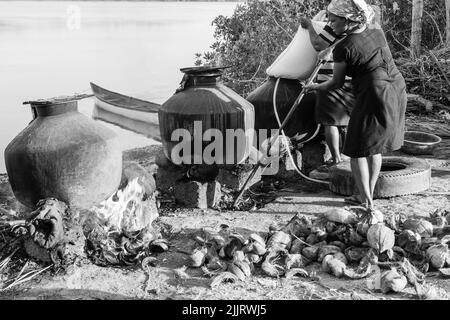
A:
343	134
361	175
332	137
374	170
365	172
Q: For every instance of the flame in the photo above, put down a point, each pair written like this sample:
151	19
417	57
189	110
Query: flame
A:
126	211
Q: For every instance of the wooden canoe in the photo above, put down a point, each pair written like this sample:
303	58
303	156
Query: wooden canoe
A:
127	112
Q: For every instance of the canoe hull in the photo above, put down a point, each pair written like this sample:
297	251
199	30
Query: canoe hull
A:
145	128
149	117
127	112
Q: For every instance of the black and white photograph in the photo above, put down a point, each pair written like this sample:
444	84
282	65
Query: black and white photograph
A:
234	158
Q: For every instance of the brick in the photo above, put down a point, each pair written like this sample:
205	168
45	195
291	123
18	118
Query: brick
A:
191	194
167	174
213	194
195	194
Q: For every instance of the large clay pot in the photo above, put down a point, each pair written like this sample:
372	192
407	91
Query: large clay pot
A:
200	104
65	155
302	124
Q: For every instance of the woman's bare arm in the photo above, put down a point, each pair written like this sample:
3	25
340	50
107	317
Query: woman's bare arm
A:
334	83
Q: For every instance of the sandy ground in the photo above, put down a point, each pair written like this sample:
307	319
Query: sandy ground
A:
84	280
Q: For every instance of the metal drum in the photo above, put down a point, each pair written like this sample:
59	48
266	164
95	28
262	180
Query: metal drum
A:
301	126
205	122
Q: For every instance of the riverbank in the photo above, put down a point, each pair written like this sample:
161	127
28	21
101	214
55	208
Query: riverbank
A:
84	280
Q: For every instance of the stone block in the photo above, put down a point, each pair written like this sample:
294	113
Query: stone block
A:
286	169
213	194
167	174
314	155
194	194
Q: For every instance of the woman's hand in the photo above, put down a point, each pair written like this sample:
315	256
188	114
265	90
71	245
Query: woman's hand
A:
311	87
305	22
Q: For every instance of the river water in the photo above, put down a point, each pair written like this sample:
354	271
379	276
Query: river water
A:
56	48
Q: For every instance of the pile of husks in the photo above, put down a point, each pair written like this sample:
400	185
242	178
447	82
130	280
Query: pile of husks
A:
350	243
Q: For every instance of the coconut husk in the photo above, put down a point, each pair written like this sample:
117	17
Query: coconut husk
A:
296	272
333	266
224	277
270	266
294	261
393	281
445	272
299	226
279	240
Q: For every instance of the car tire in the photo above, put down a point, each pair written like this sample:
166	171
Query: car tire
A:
399	176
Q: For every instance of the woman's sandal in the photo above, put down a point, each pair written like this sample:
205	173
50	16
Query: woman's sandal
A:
373	216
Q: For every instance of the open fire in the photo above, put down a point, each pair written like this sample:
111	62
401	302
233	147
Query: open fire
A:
119	231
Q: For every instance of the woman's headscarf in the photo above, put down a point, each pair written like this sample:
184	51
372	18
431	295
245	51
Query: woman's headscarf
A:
354	10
